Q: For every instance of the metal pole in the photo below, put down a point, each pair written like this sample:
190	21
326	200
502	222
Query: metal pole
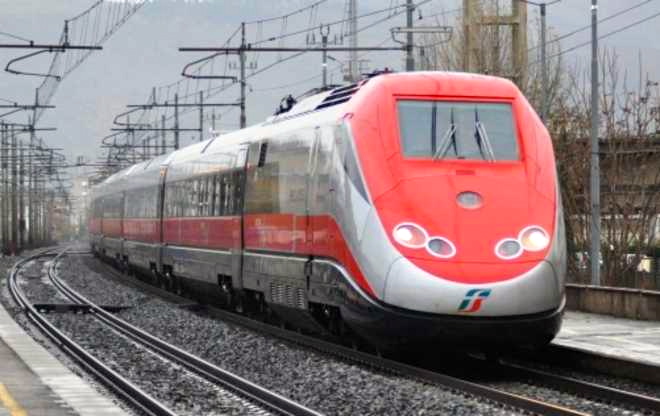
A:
37	208
544	68
14	192
30	194
176	121
21	199
145	148
37	213
410	59
353	57
162	135
48	215
3	185
132	134
201	116
324	42
595	161
241	57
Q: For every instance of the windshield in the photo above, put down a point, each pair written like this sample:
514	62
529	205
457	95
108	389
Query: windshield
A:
457	130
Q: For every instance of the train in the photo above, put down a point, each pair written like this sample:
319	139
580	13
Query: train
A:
414	208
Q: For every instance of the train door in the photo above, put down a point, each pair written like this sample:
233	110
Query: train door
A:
161	215
239	178
320	193
311	188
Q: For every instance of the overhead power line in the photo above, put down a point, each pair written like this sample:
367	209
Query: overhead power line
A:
290	14
91	27
607	35
15	37
603	20
340	21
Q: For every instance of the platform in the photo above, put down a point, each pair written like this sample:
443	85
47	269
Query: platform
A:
616	337
34	383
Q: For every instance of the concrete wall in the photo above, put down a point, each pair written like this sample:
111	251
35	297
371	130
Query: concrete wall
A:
615	301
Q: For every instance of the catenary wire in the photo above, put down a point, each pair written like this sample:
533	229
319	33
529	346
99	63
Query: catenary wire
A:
614	32
603	20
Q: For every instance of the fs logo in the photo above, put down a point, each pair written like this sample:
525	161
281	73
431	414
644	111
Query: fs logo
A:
473	300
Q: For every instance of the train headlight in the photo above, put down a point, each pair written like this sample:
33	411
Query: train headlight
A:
533	238
441	247
508	249
410	235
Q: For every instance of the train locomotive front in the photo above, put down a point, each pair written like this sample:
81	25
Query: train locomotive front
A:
465	242
414	209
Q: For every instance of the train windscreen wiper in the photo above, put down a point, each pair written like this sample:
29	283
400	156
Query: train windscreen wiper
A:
482	138
447	139
450	135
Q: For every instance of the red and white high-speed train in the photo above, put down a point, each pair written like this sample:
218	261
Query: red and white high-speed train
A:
412	208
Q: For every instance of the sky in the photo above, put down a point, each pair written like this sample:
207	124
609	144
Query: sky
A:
144	54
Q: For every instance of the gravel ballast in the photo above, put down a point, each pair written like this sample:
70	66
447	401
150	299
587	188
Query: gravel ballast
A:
320	382
34	282
182	392
317	381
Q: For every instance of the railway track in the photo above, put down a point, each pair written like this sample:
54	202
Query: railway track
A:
532	376
124	388
265	399
459	382
580	387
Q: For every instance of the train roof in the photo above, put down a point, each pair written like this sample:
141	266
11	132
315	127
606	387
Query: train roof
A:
320	106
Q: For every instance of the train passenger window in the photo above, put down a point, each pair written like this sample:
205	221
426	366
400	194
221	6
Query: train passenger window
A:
217	196
175	206
229	206
238	191
178	199
173	199
210	197
348	158
113	206
192	200
262	154
205	197
201	203
457	130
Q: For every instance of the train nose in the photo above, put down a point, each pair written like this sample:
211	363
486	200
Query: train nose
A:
474	214
466	218
410	287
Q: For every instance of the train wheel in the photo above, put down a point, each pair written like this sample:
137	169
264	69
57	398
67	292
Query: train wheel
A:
227	290
153	277
177	285
166	281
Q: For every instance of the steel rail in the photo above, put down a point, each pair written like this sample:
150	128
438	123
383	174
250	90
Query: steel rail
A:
606	364
124	388
253	392
373	361
580	387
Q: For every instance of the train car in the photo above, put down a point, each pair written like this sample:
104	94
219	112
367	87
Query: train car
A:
416	208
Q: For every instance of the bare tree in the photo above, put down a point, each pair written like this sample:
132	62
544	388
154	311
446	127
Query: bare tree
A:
437	52
630	169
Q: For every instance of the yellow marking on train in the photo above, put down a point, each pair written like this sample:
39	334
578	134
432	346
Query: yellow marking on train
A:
9	403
